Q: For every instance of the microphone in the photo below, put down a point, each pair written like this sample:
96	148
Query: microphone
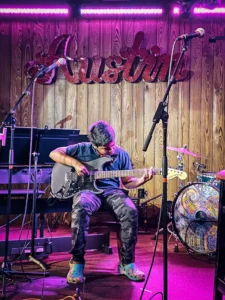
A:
60	62
188	36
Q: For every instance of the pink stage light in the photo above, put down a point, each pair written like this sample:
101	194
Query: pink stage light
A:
202	10
40	11
176	10
121	11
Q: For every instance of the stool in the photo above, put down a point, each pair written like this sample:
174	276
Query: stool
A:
219	282
106	222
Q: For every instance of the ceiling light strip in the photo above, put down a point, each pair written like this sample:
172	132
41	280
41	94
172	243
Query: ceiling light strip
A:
121	11
41	11
215	10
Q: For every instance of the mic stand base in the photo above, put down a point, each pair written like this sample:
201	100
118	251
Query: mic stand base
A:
6	272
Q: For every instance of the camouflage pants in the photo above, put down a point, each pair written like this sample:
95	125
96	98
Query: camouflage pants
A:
85	203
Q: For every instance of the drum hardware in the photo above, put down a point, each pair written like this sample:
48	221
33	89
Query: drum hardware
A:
170	228
199	167
208	178
212	257
181	166
171	232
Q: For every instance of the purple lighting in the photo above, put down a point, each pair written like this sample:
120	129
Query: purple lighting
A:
41	11
216	10
176	10
121	11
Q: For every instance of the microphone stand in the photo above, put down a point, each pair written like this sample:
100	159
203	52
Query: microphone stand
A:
10	120
162	114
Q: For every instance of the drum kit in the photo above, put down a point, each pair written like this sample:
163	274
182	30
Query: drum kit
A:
194	212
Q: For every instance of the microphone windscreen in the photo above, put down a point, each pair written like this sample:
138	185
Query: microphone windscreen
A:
200	31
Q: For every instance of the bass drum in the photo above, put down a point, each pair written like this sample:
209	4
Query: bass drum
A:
195	216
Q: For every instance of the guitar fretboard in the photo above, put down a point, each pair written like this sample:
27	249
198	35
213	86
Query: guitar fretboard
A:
123	173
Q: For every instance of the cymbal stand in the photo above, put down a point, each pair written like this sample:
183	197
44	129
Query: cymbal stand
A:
181	167
169	211
181	185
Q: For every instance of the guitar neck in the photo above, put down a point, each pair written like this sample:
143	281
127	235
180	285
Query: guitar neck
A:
124	173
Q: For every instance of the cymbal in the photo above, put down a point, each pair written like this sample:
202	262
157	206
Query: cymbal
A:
184	151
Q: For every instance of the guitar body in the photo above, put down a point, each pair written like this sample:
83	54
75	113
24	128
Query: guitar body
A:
65	182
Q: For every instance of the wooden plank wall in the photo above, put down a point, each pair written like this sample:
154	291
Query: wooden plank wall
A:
196	106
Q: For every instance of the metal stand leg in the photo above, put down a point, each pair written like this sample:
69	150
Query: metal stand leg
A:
172	233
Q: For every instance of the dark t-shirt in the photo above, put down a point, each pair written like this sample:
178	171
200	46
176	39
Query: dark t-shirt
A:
86	152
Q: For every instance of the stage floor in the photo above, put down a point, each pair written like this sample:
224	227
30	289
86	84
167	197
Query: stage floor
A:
189	277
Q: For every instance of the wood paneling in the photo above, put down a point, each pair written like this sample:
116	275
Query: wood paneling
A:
16	69
5	85
218	99
49	91
196	105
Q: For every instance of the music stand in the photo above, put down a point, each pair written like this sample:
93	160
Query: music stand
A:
12	158
46	141
21	144
50	139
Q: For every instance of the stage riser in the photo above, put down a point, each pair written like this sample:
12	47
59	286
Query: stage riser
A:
55	244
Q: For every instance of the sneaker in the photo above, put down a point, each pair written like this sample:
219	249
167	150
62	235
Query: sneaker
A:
76	273
132	272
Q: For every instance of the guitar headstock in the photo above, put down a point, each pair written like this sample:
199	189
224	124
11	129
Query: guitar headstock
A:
172	173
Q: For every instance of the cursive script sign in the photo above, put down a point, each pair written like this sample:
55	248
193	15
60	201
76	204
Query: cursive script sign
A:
133	64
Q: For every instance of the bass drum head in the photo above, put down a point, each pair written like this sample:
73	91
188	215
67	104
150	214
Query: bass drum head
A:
195	216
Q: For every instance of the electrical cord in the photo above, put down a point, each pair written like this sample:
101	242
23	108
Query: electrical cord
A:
170	68
27	242
75	296
15	220
11	221
158	293
49	202
202	260
29	167
153	256
43	285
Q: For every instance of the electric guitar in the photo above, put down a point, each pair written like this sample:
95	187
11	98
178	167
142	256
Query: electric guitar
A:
65	182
